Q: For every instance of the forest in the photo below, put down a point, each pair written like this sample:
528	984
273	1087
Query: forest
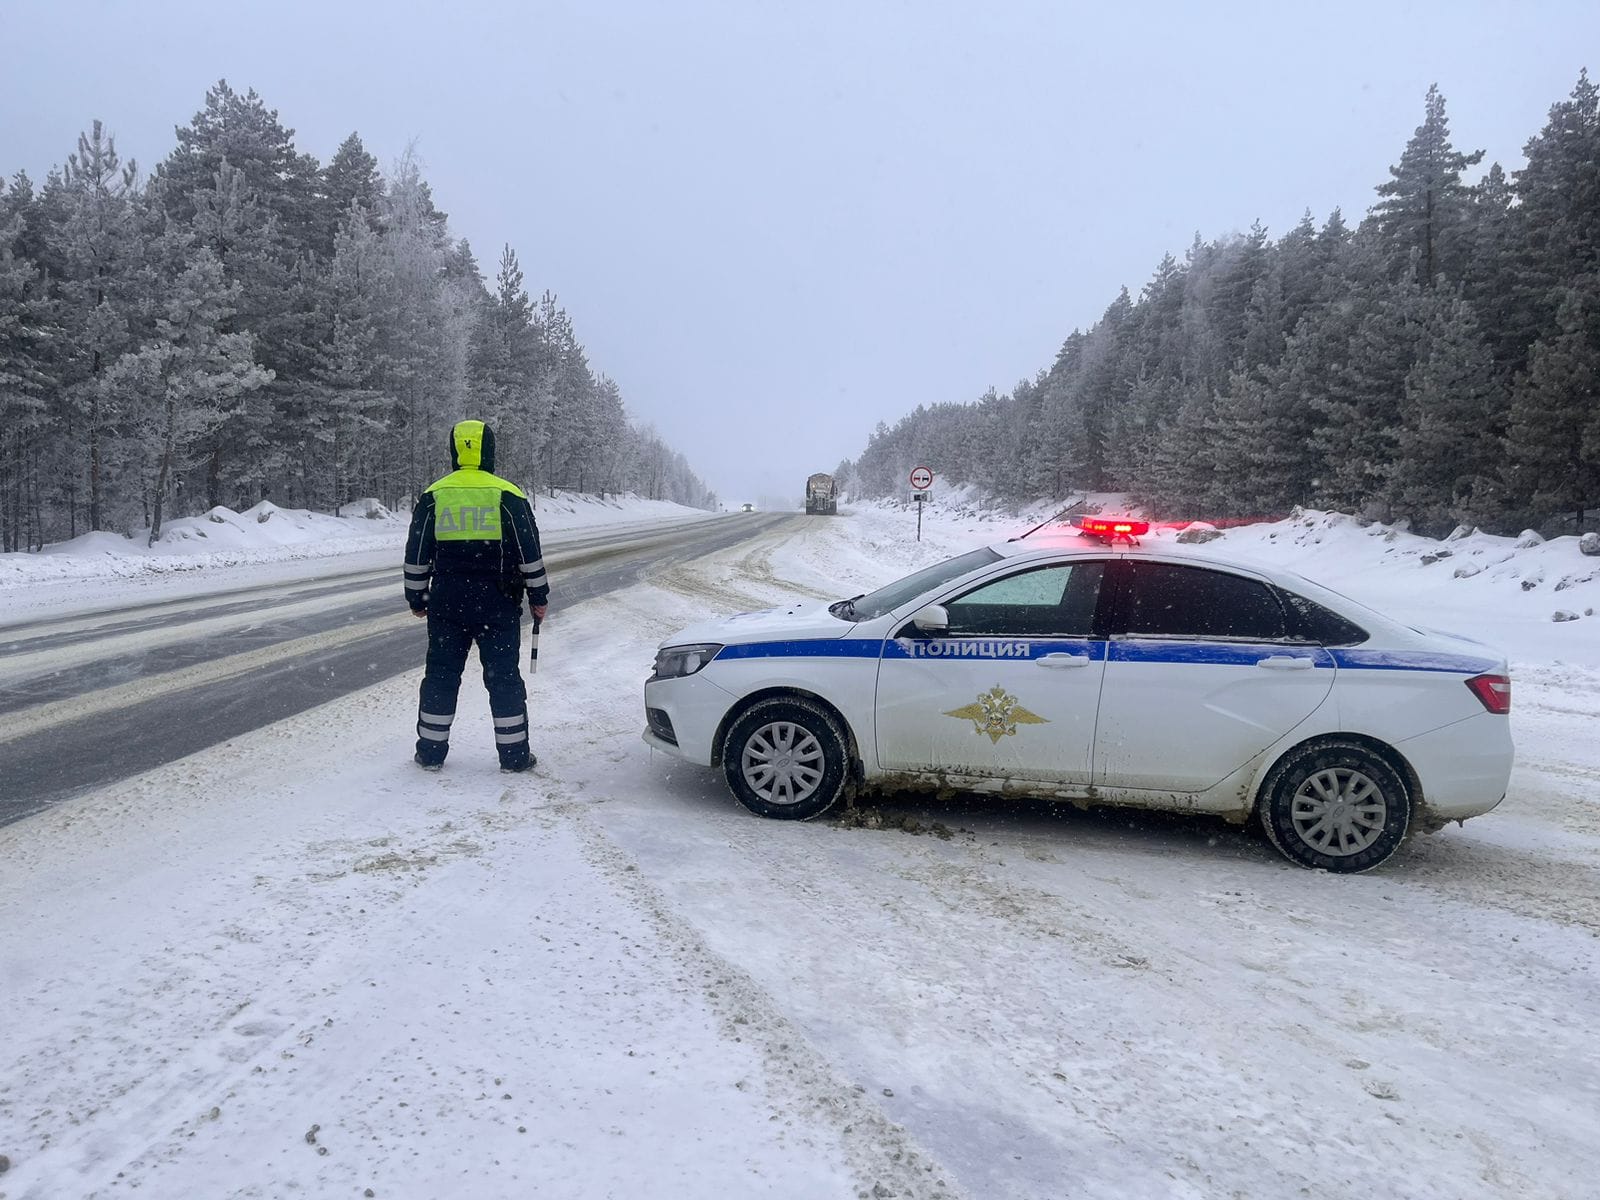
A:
1436	362
246	323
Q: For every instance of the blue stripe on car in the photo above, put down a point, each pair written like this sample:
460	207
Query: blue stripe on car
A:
1222	654
1210	653
1413	660
808	648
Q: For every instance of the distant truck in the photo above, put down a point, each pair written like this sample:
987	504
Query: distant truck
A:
821	498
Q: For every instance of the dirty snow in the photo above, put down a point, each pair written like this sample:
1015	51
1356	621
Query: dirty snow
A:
607	979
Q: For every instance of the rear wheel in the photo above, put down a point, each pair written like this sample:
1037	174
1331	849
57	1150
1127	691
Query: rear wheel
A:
1337	806
787	758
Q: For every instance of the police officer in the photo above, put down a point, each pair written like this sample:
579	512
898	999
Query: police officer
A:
472	552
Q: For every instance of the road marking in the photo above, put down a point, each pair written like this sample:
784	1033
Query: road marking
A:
30	664
31	720
24	722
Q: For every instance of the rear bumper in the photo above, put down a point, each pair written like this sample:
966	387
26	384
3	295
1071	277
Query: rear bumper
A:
1464	767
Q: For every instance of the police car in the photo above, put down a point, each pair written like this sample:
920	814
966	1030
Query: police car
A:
1102	670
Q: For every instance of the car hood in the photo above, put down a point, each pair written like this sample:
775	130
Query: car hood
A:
802	620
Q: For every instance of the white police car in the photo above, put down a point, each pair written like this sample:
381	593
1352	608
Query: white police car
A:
1093	672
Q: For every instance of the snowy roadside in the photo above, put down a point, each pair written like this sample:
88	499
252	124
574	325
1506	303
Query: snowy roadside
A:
264	544
668	996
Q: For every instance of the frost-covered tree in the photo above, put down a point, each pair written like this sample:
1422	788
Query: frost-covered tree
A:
351	177
92	255
1421	219
1448	457
1554	423
25	377
186	382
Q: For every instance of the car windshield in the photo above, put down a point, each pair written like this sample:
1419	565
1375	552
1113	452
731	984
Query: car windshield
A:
892	596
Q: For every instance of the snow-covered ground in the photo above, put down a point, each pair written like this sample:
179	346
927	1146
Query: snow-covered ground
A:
293	964
225	549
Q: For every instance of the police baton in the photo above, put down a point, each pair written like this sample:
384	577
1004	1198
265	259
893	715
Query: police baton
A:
533	652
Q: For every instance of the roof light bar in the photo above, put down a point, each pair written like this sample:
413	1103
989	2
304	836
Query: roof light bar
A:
1113	529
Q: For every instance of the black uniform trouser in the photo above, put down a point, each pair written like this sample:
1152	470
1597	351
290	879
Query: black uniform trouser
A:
459	615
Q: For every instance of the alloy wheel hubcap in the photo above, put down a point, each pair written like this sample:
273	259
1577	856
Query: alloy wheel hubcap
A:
782	763
1339	812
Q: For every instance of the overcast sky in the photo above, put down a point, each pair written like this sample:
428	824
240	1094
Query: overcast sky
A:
777	224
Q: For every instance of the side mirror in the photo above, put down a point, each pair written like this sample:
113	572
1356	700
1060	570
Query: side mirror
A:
933	620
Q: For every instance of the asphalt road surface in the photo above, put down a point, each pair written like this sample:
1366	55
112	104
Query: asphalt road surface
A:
91	699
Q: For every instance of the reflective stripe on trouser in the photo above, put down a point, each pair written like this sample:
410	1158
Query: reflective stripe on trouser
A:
434	727
511	731
461	613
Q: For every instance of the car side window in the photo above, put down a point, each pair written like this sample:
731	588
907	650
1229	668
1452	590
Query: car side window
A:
1169	600
1323	626
1056	601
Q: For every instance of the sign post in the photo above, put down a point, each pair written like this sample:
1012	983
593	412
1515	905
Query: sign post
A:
921	481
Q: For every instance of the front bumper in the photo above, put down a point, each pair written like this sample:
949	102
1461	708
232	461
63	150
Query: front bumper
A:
690	709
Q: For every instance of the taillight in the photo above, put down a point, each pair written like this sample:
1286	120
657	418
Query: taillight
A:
1493	691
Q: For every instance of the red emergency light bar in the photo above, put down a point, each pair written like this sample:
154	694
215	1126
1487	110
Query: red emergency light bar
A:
1113	529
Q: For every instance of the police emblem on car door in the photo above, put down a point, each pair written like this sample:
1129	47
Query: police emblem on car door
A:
997	713
1017	655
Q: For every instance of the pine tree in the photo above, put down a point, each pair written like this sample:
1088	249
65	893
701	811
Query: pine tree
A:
93	246
1103	384
1300	270
1495	276
241	234
348	411
1553	439
1422	216
24	378
1358	392
506	368
351	177
183	384
1263	427
1448	455
1557	216
247	134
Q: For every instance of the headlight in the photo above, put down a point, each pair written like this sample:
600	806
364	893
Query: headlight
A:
673	662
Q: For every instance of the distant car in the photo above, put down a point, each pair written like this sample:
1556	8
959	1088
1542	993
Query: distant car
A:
747	508
1107	674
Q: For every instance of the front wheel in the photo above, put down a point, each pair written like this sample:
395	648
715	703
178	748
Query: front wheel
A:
787	758
1337	806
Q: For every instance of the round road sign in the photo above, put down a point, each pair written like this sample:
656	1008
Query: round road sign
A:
921	479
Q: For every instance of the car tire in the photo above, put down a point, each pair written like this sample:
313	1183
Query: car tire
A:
787	758
1336	806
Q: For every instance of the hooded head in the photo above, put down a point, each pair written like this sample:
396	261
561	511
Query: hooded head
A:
472	445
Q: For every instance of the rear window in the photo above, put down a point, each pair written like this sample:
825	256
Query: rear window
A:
1322	625
1169	600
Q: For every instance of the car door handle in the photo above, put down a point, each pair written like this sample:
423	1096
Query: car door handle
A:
1285	662
1061	662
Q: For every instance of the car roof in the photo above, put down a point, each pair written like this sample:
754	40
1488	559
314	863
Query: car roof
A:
1057	544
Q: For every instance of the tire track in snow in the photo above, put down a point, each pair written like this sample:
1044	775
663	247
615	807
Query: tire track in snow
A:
887	1158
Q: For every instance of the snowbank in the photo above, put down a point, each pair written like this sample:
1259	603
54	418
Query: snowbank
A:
266	533
1507	591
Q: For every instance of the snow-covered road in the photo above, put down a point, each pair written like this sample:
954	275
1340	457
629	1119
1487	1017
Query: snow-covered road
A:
292	964
138	685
